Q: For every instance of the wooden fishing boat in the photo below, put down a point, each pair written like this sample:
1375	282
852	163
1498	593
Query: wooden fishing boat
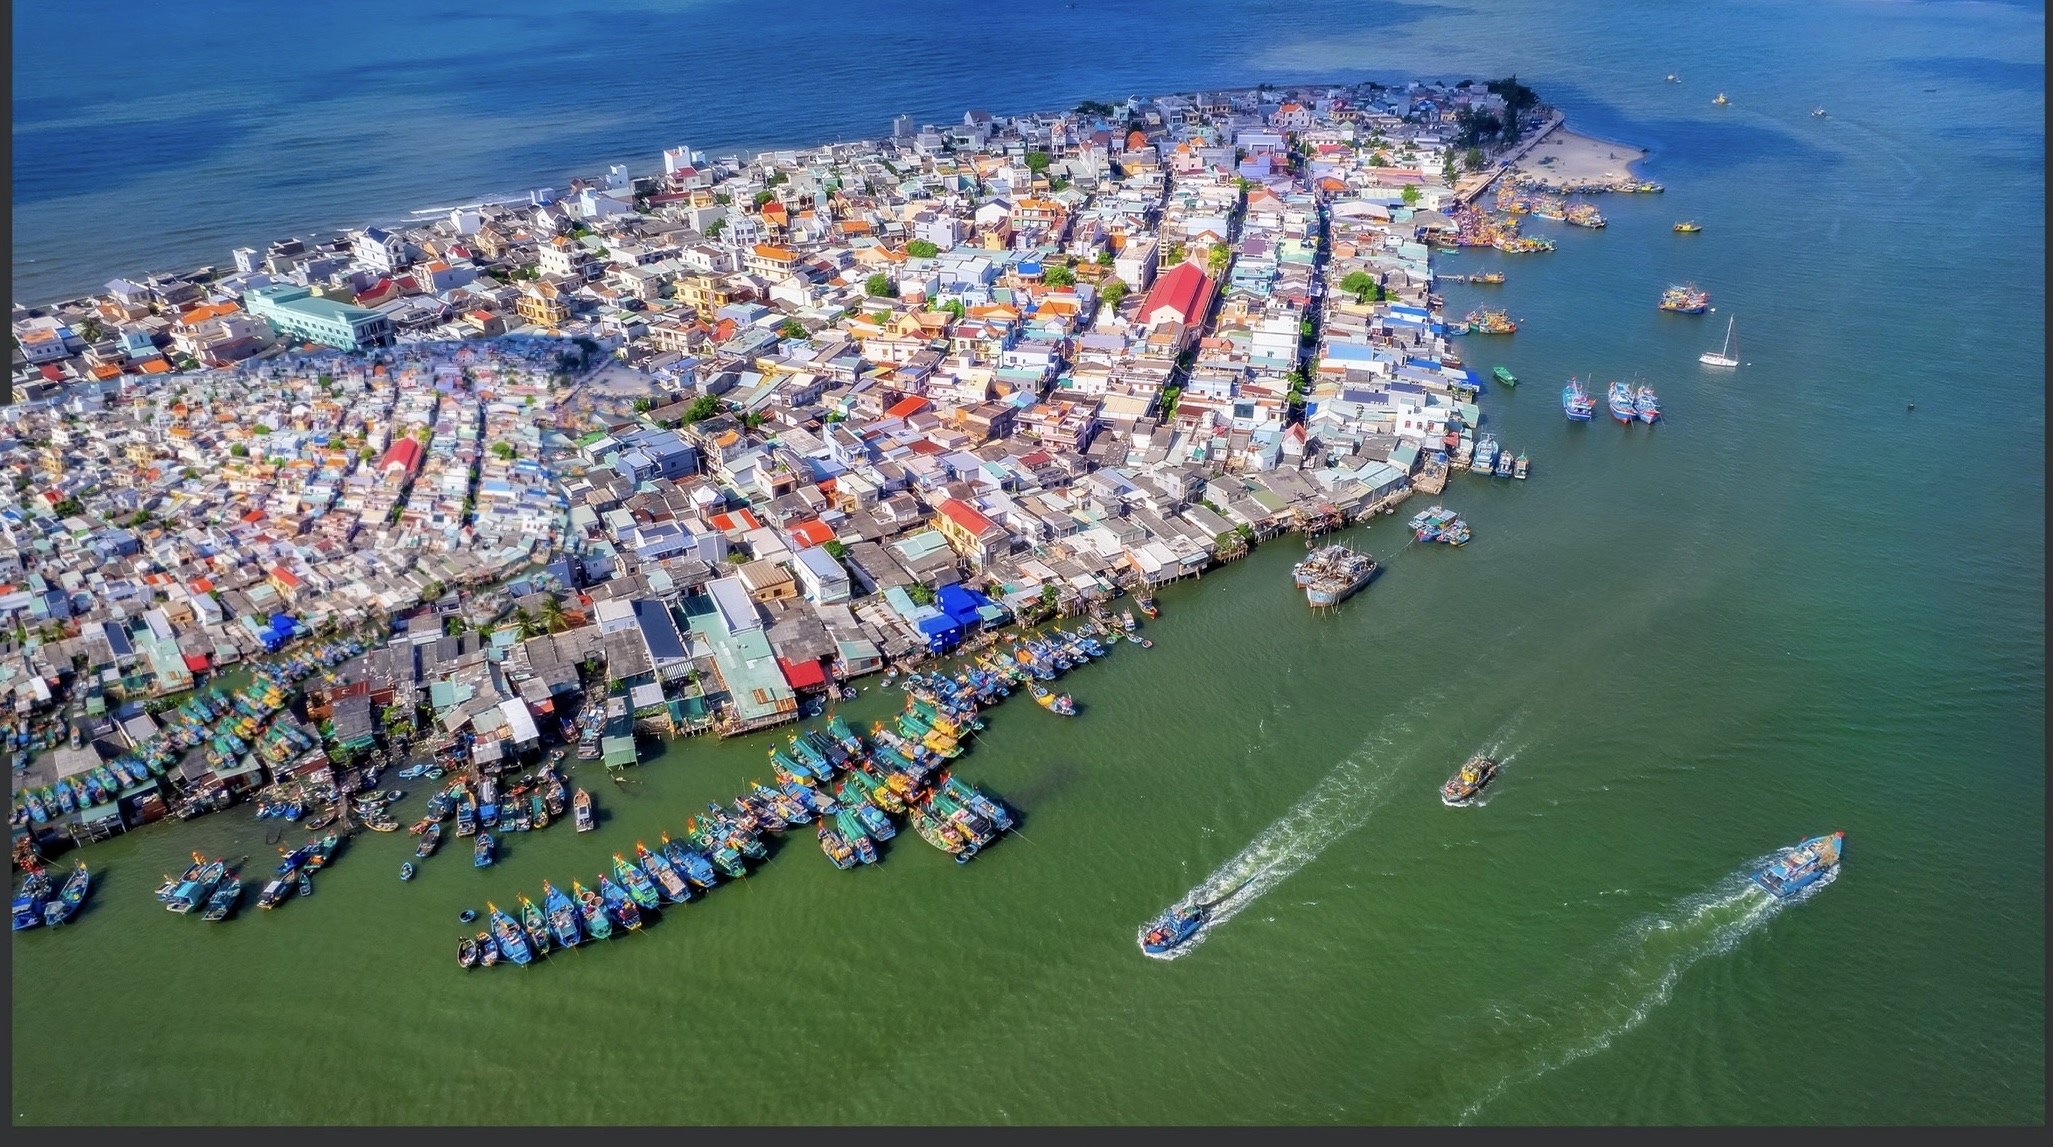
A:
466	952
582	806
429	839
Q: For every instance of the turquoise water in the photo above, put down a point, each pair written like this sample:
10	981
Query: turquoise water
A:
1795	606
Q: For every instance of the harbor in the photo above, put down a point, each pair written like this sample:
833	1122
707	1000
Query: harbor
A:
1676	669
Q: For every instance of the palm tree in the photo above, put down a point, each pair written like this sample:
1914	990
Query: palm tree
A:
552	615
527	625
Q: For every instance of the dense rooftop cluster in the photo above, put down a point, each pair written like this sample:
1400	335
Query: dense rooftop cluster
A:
891	391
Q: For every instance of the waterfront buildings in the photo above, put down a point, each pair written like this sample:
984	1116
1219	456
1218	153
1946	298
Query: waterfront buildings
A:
878	395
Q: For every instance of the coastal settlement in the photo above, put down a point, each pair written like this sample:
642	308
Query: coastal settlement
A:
705	444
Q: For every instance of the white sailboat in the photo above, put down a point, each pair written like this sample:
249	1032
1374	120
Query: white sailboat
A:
1724	356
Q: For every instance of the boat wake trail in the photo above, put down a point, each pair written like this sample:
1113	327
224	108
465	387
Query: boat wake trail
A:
1343	801
1624	984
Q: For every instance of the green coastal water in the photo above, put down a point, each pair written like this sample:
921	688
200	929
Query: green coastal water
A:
1794	607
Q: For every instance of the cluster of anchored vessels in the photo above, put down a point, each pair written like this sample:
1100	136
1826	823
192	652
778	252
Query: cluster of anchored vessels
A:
527	804
1627	403
213	888
900	773
41	903
225	726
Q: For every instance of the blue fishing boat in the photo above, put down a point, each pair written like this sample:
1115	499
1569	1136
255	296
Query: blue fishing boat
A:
1174	929
223	901
693	864
1800	867
874	821
508	934
619	905
31	900
481	852
430	837
1576	402
68	897
663	873
1485	456
1646	404
406	871
1619	399
563	916
638	885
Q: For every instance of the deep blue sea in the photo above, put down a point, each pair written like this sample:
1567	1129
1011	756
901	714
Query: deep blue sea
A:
1796	605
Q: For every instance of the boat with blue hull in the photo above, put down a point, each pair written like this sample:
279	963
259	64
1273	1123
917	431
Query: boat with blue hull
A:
1646	404
1576	403
510	936
563	916
1800	867
1619	399
696	868
1174	929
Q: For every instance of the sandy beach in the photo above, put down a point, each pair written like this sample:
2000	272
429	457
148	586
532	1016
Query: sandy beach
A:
1567	158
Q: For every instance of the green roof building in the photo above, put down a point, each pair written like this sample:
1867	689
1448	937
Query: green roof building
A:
297	312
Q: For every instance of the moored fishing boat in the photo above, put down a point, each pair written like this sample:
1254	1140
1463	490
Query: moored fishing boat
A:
1519	466
275	891
1646	405
406	871
1619	399
430	837
592	907
1802	866
1331	574
1468	781
481	851
226	894
1576	402
510	936
696	868
619	904
836	848
1504	375
31	901
581	806
534	923
488	950
1686	299
466	952
563	916
639	887
668	880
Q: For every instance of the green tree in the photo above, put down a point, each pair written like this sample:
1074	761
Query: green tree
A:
1360	284
763	197
238	450
1105	258
792	329
921	249
503	451
1038	161
920	594
1113	292
714	228
524	623
1217	259
1170	396
552	615
703	407
834	548
878	286
1058	276
1412	195
643	405
1473	159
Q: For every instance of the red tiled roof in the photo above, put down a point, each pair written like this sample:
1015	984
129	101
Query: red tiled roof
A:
812	532
906	407
1182	290
965	515
406	453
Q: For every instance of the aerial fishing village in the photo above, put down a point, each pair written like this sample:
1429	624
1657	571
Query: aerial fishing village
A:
444	511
